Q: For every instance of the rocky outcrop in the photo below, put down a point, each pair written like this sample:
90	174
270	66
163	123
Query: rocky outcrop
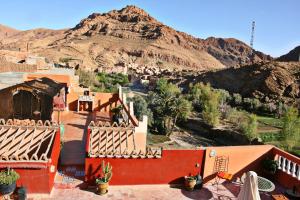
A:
293	55
271	80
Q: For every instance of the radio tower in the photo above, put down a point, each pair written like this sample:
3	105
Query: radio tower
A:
252	40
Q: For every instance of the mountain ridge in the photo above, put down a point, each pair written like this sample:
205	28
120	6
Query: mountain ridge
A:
131	37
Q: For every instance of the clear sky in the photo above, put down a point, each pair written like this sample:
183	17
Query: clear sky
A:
277	21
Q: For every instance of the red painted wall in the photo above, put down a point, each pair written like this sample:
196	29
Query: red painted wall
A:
170	169
39	180
54	159
34	180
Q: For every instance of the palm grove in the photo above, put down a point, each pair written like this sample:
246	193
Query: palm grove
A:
166	107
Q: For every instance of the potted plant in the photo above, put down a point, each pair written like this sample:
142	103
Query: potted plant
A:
190	182
8	180
103	181
270	166
116	111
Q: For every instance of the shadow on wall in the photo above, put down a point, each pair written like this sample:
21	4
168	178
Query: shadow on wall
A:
107	106
73	106
248	162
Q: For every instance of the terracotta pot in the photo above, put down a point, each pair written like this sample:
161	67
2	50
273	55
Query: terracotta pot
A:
190	184
102	188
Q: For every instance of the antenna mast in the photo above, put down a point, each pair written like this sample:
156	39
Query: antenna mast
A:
251	42
252	34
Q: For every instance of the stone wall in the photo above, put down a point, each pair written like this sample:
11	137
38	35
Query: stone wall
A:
15	67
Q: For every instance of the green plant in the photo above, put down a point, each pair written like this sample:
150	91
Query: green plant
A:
106	173
270	165
8	177
117	110
191	178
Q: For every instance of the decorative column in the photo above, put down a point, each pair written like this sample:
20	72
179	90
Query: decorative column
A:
298	173
294	169
131	110
288	167
124	99
279	162
283	164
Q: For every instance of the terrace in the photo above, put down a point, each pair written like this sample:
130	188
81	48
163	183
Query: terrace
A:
243	158
139	172
143	173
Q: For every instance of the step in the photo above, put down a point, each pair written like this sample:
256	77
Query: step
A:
69	176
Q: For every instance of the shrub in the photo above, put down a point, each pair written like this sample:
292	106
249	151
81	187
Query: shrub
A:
237	99
8	177
140	107
291	127
249	126
270	165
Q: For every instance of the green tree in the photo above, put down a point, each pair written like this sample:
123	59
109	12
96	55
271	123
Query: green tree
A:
251	104
249	126
206	100
211	113
86	78
181	111
168	106
237	99
291	127
140	107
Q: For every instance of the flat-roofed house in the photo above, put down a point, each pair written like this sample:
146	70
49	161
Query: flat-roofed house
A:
30	99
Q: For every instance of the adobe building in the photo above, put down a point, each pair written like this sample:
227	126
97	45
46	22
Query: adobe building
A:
31	99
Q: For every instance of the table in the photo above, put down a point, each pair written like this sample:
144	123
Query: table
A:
279	197
264	185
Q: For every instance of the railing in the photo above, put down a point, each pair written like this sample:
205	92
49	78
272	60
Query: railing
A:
287	163
289	167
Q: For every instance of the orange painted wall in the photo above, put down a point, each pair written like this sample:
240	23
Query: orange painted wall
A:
56	77
241	159
103	102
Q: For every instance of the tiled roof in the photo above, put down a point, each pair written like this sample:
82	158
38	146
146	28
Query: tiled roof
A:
26	141
116	140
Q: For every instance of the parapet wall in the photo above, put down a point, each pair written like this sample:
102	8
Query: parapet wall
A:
169	169
15	67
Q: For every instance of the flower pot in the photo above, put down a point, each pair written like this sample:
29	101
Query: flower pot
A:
6	189
102	188
190	184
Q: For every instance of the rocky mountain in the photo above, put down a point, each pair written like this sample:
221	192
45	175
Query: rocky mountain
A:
266	81
293	55
6	31
131	37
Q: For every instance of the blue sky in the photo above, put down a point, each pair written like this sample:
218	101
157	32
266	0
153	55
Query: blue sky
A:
277	21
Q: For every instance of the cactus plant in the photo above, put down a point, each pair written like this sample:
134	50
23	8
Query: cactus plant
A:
106	173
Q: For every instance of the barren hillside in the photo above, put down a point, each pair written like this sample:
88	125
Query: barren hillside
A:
131	37
293	55
6	31
266	81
